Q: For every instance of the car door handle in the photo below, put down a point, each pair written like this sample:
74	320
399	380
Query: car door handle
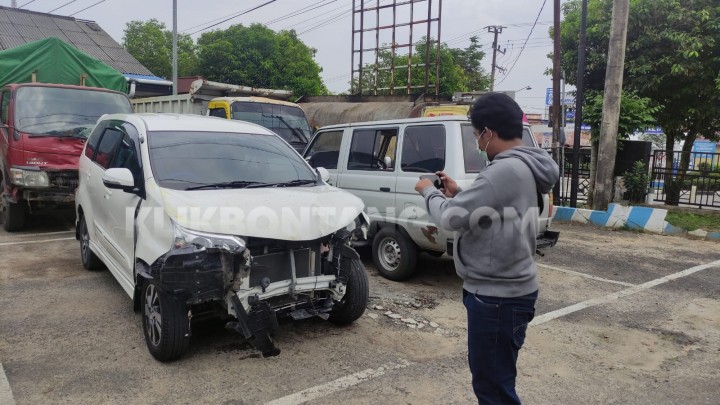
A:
385	189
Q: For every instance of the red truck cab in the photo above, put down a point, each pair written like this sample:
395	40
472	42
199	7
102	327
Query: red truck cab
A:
43	128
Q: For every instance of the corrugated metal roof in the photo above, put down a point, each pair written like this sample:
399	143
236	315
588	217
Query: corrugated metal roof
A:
18	27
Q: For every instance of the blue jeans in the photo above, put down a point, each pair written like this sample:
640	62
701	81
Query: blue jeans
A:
496	332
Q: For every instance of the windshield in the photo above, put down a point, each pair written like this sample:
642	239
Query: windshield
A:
64	112
287	121
184	160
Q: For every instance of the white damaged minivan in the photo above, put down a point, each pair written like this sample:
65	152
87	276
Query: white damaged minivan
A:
201	217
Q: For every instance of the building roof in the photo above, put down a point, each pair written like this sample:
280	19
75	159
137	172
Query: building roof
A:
18	27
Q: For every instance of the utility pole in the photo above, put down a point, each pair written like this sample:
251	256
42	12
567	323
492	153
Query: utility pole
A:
557	108
494	29
611	105
13	4
174	49
579	98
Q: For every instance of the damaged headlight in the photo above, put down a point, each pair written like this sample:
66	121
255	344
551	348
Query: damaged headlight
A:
29	178
187	238
359	227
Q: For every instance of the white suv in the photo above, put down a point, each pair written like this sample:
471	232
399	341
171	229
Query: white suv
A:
201	217
381	161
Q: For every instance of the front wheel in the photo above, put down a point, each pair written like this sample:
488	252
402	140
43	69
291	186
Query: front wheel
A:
165	323
13	215
353	304
89	260
394	254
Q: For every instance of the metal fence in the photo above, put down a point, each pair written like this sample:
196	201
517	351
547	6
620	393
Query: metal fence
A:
563	194
698	185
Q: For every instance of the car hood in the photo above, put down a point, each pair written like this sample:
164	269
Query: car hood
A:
289	213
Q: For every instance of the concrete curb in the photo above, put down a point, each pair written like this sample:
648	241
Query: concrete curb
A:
618	216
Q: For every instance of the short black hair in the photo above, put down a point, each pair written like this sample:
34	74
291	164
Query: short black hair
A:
498	112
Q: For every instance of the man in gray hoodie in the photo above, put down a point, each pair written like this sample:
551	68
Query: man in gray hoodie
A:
495	221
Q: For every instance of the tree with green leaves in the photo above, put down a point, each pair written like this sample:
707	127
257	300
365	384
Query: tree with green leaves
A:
672	58
150	42
257	56
636	113
460	70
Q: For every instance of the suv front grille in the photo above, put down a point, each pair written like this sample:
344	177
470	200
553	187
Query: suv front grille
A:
64	179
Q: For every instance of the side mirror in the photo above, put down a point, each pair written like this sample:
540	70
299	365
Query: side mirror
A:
323	173
119	179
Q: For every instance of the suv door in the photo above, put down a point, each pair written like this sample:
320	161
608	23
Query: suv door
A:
114	210
423	151
324	151
370	171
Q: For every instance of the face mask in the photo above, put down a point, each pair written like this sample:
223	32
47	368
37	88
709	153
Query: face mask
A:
483	152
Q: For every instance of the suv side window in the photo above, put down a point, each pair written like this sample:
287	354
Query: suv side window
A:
106	150
126	157
373	149
325	150
423	149
473	162
527	138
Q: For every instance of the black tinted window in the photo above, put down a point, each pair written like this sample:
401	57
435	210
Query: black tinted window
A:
126	157
5	103
423	149
285	120
373	149
473	162
108	146
185	159
63	111
218	112
325	150
93	140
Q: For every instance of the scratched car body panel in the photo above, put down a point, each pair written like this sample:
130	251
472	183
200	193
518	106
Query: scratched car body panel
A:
381	161
201	217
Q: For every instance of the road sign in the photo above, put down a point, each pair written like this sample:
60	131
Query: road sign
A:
549	98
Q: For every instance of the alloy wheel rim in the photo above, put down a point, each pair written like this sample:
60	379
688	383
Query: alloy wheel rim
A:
153	318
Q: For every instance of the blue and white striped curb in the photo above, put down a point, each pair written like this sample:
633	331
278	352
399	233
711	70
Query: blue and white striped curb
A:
618	216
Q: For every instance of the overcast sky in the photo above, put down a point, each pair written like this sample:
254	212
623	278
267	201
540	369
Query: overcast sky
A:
328	29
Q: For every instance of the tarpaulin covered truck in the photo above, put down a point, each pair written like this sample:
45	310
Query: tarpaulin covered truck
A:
51	95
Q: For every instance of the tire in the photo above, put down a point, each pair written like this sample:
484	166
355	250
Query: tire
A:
353	304
89	260
164	322
13	215
394	255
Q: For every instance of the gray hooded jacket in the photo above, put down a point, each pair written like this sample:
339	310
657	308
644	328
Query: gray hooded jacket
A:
495	221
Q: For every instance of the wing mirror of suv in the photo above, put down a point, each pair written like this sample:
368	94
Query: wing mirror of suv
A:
323	173
119	178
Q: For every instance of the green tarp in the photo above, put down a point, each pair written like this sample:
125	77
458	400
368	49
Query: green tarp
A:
57	62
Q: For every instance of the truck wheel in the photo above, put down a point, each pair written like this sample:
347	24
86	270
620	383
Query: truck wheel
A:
13	216
89	260
165	323
394	254
353	304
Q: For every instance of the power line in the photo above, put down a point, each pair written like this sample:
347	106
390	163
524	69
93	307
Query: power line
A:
233	17
523	47
300	11
31	1
298	24
212	21
90	6
66	4
332	19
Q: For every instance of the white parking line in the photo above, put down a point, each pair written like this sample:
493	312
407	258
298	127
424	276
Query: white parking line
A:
342	383
575	273
624	293
6	395
33	241
25	235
